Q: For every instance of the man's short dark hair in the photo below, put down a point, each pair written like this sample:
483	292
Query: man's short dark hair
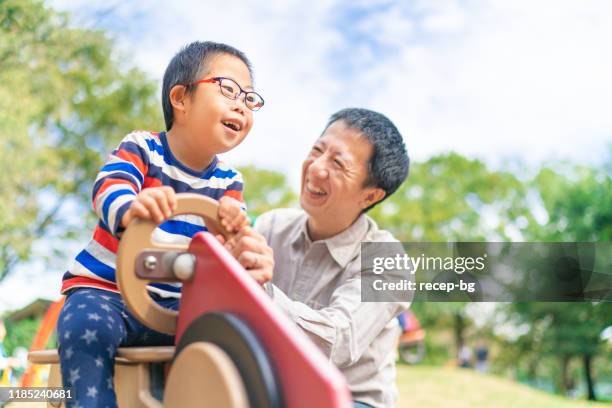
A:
388	166
189	65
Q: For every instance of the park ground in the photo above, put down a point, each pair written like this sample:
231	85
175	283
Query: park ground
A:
433	387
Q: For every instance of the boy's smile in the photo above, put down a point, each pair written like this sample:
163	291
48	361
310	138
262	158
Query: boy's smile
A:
209	123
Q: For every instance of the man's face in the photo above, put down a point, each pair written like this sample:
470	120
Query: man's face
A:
333	177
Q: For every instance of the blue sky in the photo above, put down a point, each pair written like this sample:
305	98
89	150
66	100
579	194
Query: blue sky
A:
499	80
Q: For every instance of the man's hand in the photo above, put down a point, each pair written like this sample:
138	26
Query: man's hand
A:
231	216
154	203
252	251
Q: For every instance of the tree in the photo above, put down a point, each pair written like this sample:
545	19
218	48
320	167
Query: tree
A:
577	203
266	190
65	99
452	198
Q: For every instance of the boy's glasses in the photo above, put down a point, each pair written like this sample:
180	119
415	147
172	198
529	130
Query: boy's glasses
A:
230	89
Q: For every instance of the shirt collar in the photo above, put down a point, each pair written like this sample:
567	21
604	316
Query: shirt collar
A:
342	246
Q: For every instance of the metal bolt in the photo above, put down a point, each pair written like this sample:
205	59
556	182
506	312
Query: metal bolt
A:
150	263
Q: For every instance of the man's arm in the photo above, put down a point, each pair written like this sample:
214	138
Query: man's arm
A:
344	329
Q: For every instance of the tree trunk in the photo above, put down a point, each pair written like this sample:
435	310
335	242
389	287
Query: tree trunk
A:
564	383
459	328
587	358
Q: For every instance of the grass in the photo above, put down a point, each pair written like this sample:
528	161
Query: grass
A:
450	387
431	387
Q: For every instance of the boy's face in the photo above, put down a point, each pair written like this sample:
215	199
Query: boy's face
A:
207	111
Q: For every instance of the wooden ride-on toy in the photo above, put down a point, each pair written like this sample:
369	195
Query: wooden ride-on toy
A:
234	348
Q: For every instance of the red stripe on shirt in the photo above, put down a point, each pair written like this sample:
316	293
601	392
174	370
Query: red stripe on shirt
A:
151	182
234	194
85	282
132	158
111	182
105	239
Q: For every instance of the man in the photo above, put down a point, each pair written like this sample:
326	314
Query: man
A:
358	161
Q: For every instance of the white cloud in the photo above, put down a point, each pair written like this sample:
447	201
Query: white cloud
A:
523	78
492	79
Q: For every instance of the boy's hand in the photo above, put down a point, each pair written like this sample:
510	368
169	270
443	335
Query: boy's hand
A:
154	203
231	216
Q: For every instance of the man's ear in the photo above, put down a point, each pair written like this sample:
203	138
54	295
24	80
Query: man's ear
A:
372	196
178	95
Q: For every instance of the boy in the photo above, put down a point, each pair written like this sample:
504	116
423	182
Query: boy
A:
205	114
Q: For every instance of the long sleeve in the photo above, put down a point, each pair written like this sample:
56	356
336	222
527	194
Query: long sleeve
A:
344	329
120	180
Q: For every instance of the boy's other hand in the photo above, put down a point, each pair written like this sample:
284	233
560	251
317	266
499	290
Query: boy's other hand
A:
154	203
231	216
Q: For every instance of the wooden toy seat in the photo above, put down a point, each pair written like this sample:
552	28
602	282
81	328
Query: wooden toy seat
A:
125	355
132	377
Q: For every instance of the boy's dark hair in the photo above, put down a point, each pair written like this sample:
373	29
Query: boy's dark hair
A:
388	166
189	65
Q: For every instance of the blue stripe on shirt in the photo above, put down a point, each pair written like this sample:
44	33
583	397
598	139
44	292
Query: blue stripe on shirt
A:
182	228
109	200
166	287
220	174
126	168
102	270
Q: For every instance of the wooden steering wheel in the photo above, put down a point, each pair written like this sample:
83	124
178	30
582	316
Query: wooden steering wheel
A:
133	248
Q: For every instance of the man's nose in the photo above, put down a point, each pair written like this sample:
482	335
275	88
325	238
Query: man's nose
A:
318	167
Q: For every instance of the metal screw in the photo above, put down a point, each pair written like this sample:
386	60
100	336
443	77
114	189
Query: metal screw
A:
150	263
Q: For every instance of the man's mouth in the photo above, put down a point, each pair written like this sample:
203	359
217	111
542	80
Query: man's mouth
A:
232	125
313	190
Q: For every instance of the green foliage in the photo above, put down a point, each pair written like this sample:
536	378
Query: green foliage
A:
20	334
444	199
65	99
577	203
265	190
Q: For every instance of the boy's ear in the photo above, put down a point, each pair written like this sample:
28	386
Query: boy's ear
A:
178	94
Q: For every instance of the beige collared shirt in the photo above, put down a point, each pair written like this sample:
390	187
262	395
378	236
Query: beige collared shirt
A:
318	284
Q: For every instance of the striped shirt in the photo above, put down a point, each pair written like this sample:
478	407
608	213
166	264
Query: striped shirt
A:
143	159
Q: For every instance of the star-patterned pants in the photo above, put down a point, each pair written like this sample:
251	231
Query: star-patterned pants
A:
91	326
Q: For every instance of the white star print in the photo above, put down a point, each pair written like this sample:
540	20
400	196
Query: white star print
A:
67	334
69	353
81	306
67	317
110	351
99	361
92	392
93	316
109	317
105	307
74	375
109	383
125	316
107	298
90	336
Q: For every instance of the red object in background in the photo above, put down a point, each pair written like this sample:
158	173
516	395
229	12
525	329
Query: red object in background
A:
411	344
47	326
